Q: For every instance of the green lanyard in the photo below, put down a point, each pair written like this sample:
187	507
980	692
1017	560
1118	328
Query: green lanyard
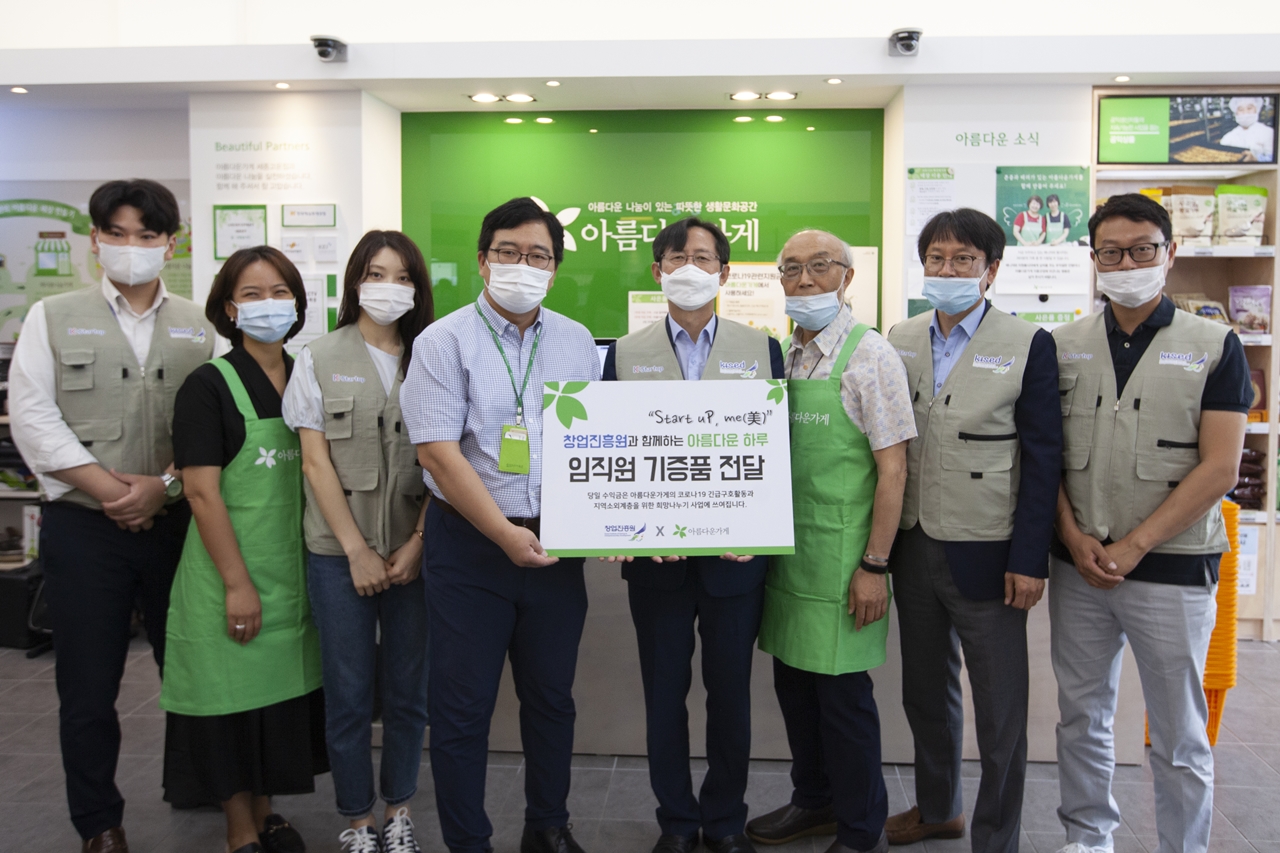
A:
511	373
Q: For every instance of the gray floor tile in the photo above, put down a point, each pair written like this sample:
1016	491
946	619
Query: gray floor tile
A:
14	665
38	737
32	696
1238	765
1251	725
588	791
1269	753
630	797
1137	801
623	836
1040	801
1252	811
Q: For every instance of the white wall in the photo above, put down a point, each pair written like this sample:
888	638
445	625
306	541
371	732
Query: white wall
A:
380	164
92	145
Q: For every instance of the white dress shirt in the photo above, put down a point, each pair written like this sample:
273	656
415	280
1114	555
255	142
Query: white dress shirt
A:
42	436
692	354
303	403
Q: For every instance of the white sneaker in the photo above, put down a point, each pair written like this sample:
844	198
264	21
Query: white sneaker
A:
397	834
1077	847
362	840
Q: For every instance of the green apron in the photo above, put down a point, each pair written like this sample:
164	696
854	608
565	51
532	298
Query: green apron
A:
1054	228
806	622
1032	228
206	672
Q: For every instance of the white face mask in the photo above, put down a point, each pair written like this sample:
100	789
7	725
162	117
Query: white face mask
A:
385	302
131	264
690	287
519	288
1132	288
1246	120
815	312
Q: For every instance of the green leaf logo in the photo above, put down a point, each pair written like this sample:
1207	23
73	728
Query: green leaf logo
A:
567	406
777	391
682	532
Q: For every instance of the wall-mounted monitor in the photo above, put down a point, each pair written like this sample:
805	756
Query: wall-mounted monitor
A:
1191	130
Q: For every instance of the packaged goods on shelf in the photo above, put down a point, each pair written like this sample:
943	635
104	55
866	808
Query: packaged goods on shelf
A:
31	531
1250	491
1191	208
1258	409
1240	216
1250	308
1202	306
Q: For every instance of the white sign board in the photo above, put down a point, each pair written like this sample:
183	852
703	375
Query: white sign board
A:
1045	269
666	468
1247	577
753	296
644	308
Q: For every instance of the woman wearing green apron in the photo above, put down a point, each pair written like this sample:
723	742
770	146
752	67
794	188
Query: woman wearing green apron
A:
825	607
1029	226
1057	222
242	683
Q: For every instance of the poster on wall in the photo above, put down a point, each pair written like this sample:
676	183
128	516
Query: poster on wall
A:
45	247
930	191
236	227
1187	129
608	178
644	308
753	296
1044	211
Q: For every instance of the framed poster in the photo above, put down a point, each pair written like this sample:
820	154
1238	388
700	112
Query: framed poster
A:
236	227
1195	130
309	216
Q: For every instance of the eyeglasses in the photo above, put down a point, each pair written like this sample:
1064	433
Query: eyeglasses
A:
537	260
961	264
710	263
817	268
1140	252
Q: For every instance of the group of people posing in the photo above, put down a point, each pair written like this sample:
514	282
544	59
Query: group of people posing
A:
358	528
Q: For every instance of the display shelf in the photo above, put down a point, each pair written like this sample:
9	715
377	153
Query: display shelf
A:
1261	428
1253	516
1256	340
1185	252
15	494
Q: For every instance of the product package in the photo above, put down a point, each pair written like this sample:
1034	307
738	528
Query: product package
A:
1258	409
1191	208
31	531
1250	308
1209	309
1250	491
1240	216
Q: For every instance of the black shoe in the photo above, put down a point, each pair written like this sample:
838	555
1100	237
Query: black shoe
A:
558	839
279	836
791	822
676	844
882	846
730	844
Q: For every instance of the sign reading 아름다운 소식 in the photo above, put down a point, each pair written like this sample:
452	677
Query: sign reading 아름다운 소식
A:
667	468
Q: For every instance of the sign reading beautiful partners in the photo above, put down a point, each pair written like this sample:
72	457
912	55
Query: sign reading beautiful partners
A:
667	468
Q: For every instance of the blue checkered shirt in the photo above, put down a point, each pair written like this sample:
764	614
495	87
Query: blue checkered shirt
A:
457	389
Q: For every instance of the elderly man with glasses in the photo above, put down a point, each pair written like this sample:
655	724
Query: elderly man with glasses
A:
982	483
825	607
721	595
1154	403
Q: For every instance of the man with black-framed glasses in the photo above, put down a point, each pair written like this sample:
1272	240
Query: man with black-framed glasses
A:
1154	403
721	595
977	518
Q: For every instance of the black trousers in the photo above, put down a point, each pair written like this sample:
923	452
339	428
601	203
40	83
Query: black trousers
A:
482	609
833	728
664	621
94	572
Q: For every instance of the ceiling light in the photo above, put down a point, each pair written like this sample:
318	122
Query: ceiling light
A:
1123	78
809	128
18	90
593	130
519	98
743	119
514	120
544	120
553	83
485	98
282	85
834	81
781	96
774	118
745	96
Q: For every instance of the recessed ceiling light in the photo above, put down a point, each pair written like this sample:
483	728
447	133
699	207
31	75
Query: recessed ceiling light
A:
485	98
593	130
282	85
743	119
781	96
544	120
745	96
834	81
18	90
514	121
519	98
774	118
1123	78
810	128
553	83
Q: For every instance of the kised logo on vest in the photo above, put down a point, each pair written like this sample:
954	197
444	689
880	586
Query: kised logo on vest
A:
739	368
1186	360
994	363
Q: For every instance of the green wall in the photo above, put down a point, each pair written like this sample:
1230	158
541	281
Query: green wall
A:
639	165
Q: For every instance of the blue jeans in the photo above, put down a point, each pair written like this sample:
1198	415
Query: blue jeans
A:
349	633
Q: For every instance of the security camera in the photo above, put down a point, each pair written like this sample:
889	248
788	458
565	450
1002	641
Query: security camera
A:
905	42
330	49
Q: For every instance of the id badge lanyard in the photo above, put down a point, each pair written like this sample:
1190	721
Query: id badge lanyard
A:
513	454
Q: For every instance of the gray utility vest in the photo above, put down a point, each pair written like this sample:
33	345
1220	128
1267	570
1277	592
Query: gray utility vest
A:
963	468
1122	456
120	410
738	352
369	445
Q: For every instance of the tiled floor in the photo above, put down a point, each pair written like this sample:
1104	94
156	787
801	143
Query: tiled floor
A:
611	803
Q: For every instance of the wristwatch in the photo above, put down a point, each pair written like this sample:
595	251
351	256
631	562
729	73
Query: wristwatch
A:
172	485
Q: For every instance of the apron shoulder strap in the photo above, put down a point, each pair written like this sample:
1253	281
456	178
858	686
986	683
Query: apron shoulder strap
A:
846	351
238	392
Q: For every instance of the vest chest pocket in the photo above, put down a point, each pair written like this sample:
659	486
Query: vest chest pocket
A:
1066	392
339	416
1078	399
76	369
977	488
1168	415
104	429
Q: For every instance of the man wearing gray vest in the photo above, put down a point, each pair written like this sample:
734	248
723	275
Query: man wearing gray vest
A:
723	596
977	517
1154	402
92	386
